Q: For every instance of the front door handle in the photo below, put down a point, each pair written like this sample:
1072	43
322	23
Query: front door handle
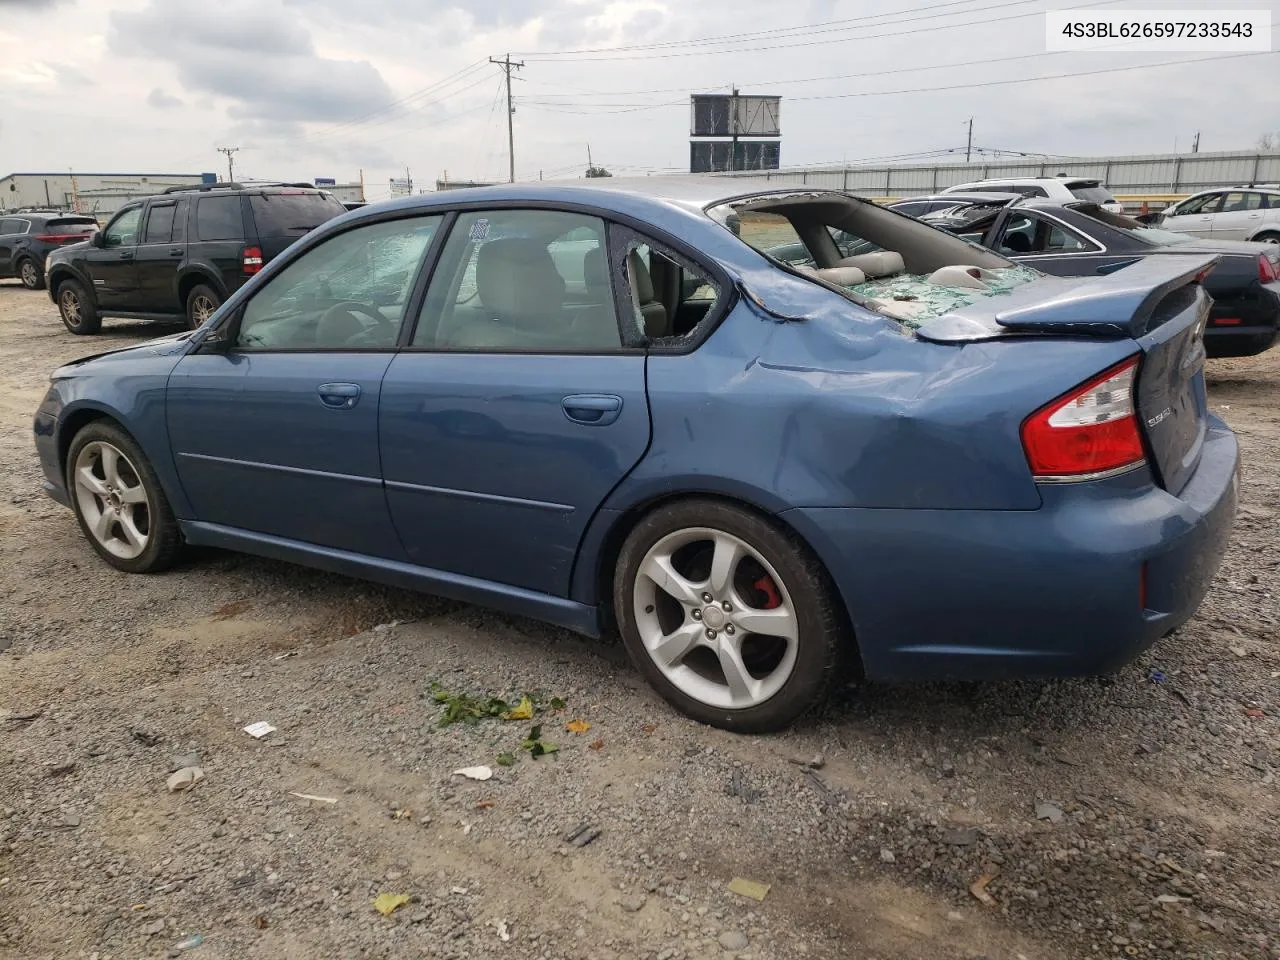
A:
126	256
175	252
339	396
595	409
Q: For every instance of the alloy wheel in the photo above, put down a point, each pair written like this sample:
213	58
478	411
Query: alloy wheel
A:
112	500
201	310
715	618
29	274
69	303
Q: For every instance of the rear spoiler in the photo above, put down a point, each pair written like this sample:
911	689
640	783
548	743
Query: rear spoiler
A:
1119	305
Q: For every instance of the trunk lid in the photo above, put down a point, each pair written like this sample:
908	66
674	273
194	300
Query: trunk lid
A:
1159	304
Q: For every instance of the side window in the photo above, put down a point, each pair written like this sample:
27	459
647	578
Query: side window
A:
521	280
1031	190
1240	202
1061	240
123	230
1018	235
10	227
219	218
348	293
1209	203
669	295
159	224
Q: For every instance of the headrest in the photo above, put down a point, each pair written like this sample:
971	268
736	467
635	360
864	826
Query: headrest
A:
641	282
841	276
883	263
517	277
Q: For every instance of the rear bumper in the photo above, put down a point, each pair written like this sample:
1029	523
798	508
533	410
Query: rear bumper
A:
956	594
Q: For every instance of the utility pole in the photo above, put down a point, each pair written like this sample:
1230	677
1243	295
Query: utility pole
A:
733	126
968	149
507	66
1195	144
362	200
231	164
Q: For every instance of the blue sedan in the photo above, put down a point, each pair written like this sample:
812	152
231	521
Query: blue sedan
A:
608	406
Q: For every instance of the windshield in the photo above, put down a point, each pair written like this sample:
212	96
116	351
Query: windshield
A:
1091	192
292	214
68	227
1149	235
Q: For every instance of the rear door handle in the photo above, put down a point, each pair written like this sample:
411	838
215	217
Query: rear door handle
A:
595	409
126	256
175	252
339	396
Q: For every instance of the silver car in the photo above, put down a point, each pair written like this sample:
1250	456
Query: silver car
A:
1228	213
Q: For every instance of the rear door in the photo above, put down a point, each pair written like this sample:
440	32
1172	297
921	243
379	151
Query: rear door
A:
519	404
160	254
112	267
1054	247
1241	214
218	237
282	216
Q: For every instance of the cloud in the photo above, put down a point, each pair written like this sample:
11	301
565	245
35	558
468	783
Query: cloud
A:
30	4
270	70
158	98
485	14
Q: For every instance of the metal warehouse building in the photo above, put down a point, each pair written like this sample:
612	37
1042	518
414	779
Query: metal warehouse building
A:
96	193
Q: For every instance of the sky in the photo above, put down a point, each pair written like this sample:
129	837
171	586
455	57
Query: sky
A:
327	88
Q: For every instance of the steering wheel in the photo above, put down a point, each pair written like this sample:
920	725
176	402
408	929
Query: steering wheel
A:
355	306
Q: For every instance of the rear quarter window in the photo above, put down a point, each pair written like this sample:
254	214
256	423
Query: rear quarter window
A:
290	214
1094	194
219	218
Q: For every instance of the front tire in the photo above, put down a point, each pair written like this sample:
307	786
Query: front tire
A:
729	618
118	501
79	315
1267	236
202	301
31	274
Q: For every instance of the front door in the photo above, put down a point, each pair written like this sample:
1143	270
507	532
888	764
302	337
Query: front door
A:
112	266
1052	247
159	255
519	404
279	433
1194	216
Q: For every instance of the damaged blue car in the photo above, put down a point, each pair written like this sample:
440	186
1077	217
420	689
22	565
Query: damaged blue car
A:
609	407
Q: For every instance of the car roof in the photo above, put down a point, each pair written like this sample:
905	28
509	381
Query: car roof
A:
690	193
978	196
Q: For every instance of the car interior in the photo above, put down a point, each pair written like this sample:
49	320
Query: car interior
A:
506	280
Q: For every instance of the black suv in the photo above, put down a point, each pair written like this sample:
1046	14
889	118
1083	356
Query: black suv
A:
27	238
181	254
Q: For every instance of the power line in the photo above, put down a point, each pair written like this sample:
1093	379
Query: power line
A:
571	57
231	167
824	26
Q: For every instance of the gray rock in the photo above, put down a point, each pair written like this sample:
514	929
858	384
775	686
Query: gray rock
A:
633	902
886	855
1049	811
154	928
181	761
960	837
733	940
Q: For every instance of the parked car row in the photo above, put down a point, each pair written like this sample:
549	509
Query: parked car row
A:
614	403
26	239
1236	213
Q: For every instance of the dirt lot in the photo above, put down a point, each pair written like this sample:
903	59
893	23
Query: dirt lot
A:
1160	834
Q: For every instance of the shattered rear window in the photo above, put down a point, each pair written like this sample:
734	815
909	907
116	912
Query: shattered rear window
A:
912	299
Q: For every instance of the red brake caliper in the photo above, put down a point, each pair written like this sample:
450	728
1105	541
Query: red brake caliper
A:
766	586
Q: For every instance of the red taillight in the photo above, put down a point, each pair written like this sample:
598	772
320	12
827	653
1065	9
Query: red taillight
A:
1267	272
1091	430
1142	587
1226	321
61	238
252	260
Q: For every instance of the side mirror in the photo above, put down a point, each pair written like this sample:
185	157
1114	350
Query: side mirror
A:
98	239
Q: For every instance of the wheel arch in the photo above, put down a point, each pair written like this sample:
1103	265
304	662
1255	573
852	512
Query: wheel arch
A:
596	566
1268	230
73	421
59	273
196	276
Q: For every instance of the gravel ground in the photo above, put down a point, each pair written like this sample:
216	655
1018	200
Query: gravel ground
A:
1113	817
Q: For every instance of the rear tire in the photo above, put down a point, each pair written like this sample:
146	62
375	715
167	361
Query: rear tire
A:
31	274
1267	236
202	301
764	650
78	312
119	502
